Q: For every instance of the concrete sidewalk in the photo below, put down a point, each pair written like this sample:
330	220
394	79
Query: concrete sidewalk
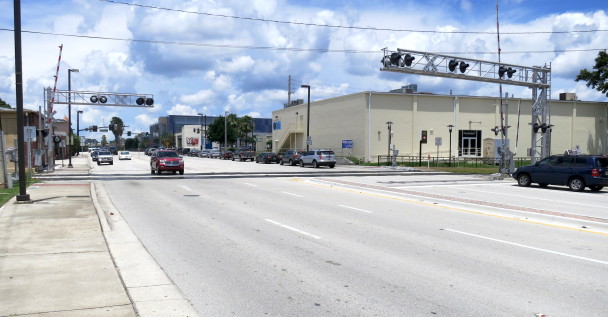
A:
68	253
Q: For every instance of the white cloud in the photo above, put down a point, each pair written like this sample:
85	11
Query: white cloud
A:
240	64
182	110
198	98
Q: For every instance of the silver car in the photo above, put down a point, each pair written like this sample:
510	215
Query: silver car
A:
317	158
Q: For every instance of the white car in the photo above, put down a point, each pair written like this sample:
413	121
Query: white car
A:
124	155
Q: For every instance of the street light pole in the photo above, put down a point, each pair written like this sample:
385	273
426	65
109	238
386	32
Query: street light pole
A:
450	158
225	130
70	116
202	115
78	129
307	118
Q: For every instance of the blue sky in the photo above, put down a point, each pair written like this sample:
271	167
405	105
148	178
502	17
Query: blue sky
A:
188	73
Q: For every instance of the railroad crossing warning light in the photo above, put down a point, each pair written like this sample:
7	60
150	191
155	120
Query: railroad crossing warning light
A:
100	99
452	65
396	59
502	70
423	136
495	130
463	67
141	100
408	59
535	127
510	72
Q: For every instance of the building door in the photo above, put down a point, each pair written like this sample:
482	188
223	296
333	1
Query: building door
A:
469	143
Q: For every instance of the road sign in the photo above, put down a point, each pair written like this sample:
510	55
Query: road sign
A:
438	141
309	141
347	144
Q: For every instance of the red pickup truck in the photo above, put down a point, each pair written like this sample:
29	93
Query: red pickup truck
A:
243	155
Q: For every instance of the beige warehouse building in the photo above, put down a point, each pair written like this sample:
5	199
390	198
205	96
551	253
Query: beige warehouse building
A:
356	125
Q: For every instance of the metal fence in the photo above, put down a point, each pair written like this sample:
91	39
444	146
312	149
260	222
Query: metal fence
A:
445	161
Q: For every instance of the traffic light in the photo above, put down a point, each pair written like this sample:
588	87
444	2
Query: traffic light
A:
129	133
423	136
94	128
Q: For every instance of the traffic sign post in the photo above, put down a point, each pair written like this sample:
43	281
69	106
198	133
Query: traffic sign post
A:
438	142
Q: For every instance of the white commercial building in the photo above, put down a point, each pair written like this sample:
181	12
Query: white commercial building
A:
357	125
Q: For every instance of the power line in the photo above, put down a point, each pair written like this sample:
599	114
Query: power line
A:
344	26
290	49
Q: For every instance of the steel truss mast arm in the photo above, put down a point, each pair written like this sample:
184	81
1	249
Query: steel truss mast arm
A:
104	99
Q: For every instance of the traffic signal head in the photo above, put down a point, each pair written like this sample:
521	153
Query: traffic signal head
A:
423	136
129	133
463	67
452	65
408	59
94	128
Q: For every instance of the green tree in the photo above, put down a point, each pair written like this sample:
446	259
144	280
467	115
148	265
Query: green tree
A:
167	140
244	126
3	104
104	140
597	79
215	131
117	127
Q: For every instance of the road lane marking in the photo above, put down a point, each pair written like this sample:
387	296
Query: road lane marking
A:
252	185
184	187
529	247
369	212
536	198
293	229
288	193
392	196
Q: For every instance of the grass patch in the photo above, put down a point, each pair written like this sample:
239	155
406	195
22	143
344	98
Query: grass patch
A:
7	193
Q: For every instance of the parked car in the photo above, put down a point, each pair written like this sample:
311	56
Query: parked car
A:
243	154
291	157
150	151
227	155
574	171
105	157
266	157
166	160
317	158
203	153
94	155
215	154
124	155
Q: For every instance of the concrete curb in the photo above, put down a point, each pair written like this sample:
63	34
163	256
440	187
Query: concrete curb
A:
149	288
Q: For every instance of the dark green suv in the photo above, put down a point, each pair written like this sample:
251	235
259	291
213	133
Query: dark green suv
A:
574	171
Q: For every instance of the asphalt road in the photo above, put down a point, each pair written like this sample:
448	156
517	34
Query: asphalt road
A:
238	239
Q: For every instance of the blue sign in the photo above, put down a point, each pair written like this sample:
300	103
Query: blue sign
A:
347	144
276	125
